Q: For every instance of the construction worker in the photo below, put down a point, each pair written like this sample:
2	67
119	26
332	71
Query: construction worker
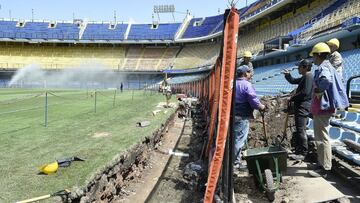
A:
246	60
335	57
301	99
245	103
328	93
168	93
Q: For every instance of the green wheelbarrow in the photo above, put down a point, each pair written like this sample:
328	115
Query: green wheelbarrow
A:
266	163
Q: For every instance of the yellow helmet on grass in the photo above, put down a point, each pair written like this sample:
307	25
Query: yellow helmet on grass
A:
49	168
334	42
320	48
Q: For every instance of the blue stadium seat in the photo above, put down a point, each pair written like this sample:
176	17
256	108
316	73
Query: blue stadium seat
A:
97	31
278	84
206	26
335	133
39	30
164	31
348	135
346	154
356	159
351	116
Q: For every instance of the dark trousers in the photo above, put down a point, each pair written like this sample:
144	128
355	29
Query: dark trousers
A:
301	141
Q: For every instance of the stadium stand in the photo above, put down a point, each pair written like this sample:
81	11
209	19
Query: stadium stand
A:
282	26
153	31
49	56
39	30
168	57
199	27
338	133
301	22
196	55
269	81
257	7
185	78
332	17
104	31
56	57
149	58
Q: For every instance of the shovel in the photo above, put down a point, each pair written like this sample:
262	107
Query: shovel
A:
262	113
285	128
59	193
284	135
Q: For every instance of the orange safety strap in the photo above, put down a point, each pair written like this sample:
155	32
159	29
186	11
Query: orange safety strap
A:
227	77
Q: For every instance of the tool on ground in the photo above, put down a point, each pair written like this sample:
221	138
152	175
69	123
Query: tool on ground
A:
284	134
181	154
289	110
143	123
262	113
59	193
53	167
66	162
49	168
267	165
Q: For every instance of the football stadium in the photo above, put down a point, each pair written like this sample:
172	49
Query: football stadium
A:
259	102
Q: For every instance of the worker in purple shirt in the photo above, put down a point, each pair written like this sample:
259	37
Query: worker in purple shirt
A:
245	103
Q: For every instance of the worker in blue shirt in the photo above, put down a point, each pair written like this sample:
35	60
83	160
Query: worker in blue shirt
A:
245	103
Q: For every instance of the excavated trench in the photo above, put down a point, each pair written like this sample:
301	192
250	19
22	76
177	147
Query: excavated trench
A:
149	172
110	184
116	182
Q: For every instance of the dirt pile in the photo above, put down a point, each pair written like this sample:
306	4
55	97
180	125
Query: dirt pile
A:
245	187
274	122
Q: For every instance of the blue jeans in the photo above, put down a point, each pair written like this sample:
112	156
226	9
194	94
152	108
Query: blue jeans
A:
241	129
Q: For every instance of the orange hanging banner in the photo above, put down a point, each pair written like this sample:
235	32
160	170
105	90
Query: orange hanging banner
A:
214	105
226	86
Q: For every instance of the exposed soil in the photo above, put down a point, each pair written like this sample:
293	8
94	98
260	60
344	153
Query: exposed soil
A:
176	184
274	121
109	184
148	172
157	170
245	188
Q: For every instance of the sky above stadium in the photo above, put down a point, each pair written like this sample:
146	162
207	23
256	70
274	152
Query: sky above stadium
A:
126	10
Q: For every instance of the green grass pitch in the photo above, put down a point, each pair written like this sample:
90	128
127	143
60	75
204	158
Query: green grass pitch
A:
26	144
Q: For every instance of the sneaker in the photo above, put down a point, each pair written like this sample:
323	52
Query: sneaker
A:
297	157
319	173
314	167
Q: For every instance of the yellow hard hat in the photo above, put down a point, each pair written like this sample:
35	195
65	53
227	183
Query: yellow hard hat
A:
49	168
334	42
320	48
247	54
